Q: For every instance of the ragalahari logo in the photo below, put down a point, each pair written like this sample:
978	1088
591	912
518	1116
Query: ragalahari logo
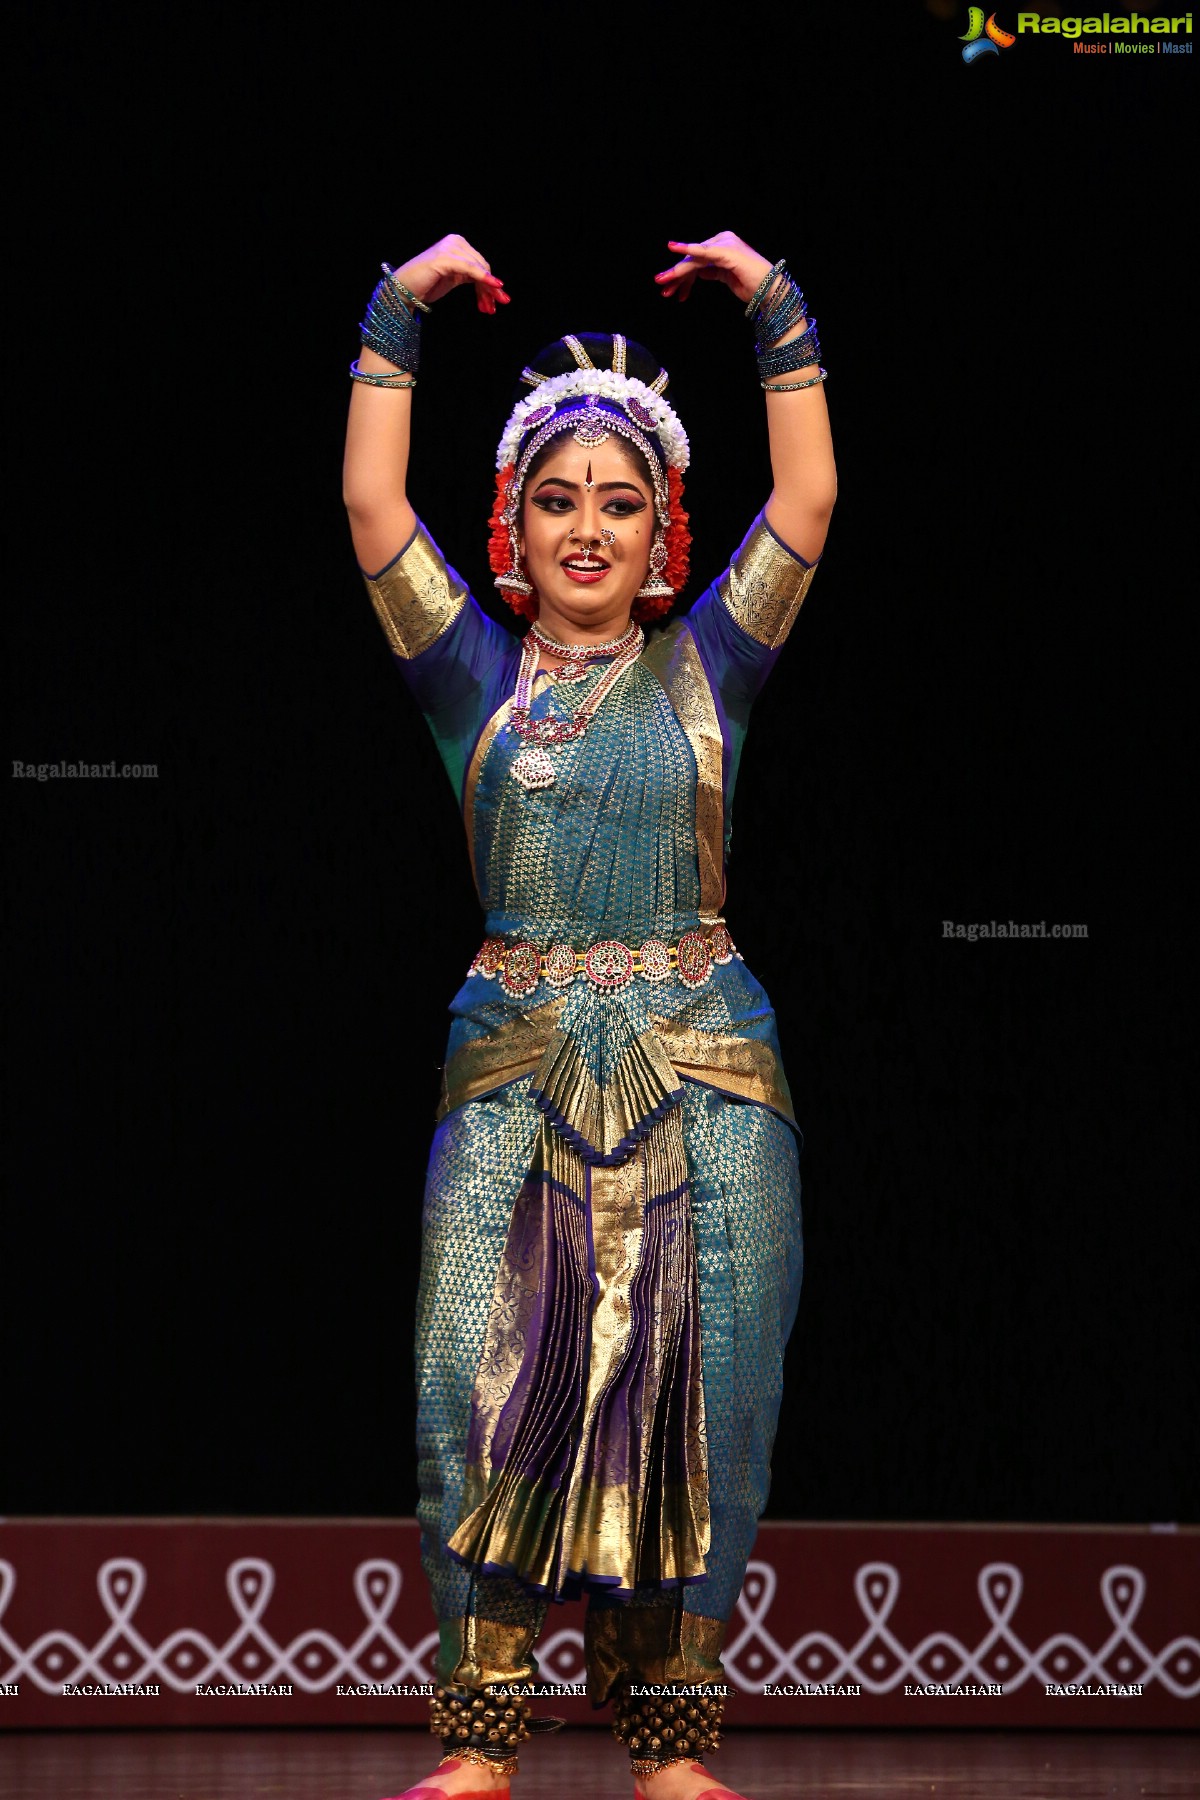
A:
983	37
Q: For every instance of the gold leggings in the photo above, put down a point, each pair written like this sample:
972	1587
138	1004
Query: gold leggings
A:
650	1637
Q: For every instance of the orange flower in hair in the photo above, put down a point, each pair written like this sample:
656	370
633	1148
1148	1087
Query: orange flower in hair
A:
500	549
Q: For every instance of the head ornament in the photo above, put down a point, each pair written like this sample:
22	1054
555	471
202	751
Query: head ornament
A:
594	404
608	392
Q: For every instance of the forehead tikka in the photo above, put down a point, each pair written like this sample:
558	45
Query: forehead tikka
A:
641	402
590	426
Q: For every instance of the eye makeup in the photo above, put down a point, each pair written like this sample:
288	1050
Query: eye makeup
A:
621	505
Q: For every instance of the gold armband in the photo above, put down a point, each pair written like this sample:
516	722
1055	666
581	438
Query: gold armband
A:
416	597
764	586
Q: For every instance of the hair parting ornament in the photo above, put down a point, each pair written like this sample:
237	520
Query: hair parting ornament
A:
594	404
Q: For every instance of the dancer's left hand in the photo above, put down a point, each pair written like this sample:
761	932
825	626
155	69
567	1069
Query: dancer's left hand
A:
722	258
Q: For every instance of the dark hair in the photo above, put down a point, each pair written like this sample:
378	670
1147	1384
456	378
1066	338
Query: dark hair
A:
556	359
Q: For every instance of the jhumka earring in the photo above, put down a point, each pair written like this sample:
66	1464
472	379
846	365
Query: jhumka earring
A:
654	587
513	581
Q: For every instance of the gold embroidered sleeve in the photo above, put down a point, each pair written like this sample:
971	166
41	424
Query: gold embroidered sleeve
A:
764	586
675	662
417	597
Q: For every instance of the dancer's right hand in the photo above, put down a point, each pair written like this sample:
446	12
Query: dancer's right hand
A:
451	263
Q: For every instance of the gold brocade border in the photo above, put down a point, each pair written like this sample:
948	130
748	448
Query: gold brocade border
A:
605	1525
674	661
736	1065
487	738
764	586
650	1644
642	1081
477	1653
502	1056
414	598
617	1211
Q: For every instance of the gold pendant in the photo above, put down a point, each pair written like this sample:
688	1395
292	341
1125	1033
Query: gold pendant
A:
533	768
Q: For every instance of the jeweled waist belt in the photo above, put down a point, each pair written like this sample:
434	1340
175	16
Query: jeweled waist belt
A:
521	965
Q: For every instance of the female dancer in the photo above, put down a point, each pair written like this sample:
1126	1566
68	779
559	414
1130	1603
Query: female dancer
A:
611	1237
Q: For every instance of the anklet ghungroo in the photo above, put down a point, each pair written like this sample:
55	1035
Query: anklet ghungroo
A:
486	1727
659	1729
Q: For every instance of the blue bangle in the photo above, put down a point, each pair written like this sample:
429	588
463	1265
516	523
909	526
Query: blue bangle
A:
763	285
795	354
790	306
792	387
782	294
407	292
390	329
389	378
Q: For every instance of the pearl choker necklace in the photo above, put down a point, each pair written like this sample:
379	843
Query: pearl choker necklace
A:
576	657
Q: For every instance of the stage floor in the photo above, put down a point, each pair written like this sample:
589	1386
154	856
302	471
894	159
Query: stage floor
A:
766	1765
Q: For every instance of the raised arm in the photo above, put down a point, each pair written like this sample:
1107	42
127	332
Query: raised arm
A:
375	471
802	466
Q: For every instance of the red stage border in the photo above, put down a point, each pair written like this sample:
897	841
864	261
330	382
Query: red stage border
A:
838	1625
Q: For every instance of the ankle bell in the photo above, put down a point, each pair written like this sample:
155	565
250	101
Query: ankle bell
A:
660	1729
484	1728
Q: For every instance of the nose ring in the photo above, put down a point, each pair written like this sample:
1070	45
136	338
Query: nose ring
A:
607	537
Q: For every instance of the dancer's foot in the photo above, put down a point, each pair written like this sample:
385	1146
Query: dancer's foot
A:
456	1779
682	1781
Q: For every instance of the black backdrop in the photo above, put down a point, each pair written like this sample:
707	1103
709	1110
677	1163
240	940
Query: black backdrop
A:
227	985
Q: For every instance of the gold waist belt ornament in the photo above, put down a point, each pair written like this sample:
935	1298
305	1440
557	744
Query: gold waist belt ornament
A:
607	966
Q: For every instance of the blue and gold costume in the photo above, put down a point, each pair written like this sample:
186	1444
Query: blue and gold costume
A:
611	1250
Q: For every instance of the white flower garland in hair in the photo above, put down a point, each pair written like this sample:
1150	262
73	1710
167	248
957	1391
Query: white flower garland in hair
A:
604	385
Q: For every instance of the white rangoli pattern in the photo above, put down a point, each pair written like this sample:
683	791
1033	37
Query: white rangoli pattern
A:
315	1661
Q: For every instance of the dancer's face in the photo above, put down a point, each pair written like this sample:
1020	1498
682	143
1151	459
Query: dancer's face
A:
587	528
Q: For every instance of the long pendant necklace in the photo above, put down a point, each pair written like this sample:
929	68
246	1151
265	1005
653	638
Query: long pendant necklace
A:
534	767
